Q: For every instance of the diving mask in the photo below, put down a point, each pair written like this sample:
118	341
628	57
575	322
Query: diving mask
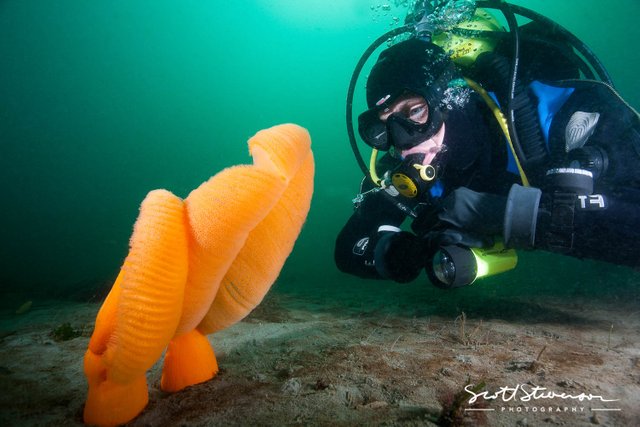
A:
397	130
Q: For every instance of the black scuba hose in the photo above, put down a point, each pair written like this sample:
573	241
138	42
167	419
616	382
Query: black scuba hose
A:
493	70
572	39
352	87
513	81
575	42
535	148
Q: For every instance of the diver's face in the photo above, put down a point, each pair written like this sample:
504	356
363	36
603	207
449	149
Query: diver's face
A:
415	108
398	123
412	107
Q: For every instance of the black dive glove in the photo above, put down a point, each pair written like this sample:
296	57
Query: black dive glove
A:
468	210
469	218
476	218
484	215
399	255
528	217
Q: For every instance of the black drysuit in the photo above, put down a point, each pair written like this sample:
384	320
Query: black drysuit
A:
476	158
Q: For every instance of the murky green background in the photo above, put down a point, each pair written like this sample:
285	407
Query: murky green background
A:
102	101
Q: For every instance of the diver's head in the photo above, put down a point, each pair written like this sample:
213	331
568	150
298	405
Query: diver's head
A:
404	95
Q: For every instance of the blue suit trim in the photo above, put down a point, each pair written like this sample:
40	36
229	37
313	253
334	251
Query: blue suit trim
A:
550	100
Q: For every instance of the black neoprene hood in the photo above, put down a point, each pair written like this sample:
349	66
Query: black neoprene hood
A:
413	65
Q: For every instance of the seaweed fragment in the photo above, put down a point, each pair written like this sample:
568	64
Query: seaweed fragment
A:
65	332
24	307
454	412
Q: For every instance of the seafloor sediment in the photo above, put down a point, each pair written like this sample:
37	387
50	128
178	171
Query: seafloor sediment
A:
300	360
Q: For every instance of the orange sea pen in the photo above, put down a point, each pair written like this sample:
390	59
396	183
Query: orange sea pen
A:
268	244
140	314
236	229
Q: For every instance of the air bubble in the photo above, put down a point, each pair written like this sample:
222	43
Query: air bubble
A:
456	97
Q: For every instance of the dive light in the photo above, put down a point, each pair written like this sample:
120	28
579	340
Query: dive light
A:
456	266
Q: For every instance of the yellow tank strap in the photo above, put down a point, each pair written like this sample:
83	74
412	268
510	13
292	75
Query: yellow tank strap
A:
502	121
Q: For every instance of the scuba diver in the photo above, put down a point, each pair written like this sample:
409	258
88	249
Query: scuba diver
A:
493	141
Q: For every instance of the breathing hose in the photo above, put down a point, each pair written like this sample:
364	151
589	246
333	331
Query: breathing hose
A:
352	87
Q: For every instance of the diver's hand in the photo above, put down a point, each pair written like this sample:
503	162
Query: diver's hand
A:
468	218
472	212
399	255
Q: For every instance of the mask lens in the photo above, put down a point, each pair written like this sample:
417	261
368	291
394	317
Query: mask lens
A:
373	130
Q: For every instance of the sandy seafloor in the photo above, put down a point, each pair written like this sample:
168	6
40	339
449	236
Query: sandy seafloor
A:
356	359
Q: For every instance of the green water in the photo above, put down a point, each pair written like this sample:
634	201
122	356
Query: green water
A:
102	101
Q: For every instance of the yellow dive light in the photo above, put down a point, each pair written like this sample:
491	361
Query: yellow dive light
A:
457	266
